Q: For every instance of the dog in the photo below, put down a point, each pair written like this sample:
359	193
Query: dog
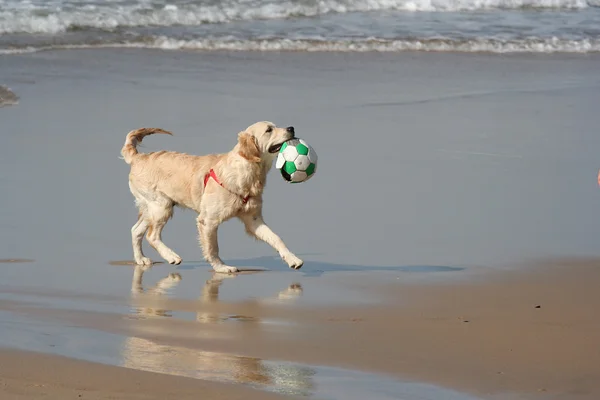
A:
217	186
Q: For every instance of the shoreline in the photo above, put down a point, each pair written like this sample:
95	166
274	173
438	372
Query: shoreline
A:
546	47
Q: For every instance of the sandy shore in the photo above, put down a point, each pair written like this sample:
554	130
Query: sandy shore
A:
528	332
505	335
25	376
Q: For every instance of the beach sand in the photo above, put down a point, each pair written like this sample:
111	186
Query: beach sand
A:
454	195
25	375
512	335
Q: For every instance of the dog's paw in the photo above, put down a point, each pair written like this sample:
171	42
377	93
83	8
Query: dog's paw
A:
224	269
143	261
174	259
293	261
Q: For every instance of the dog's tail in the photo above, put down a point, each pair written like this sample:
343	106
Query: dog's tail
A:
129	149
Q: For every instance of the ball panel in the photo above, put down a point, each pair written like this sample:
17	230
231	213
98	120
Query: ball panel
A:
292	142
298	176
312	155
302	149
289	167
302	162
280	161
287	177
283	146
290	153
311	169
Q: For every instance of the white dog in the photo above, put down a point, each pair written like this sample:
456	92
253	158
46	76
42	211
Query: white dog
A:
217	186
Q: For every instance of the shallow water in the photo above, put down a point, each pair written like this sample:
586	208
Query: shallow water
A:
458	161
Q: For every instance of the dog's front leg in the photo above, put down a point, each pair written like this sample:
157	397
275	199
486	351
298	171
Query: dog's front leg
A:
207	230
255	226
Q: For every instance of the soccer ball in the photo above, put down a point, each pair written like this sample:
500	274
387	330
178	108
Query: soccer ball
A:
297	161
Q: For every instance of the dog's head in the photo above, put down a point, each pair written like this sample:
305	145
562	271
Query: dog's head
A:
261	141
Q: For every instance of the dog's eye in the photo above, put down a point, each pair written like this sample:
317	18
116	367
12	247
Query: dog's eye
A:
269	129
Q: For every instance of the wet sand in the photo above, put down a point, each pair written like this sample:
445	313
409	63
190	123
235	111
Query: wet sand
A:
422	271
505	335
25	376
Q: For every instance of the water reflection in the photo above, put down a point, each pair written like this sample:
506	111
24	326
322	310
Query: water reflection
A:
148	355
210	294
144	294
159	289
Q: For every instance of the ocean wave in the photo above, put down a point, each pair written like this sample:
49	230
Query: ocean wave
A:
53	18
483	45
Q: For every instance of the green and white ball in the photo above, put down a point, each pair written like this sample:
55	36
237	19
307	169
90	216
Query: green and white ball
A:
297	161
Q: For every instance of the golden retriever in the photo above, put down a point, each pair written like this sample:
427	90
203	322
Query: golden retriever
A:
217	186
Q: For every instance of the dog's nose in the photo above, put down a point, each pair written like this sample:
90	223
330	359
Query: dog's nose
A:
290	129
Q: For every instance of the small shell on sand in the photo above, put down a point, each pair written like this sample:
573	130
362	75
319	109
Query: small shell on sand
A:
7	97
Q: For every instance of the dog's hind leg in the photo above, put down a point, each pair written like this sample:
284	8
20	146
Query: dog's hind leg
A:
160	212
137	234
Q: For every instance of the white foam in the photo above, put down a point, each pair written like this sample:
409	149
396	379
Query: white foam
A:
552	45
27	17
532	45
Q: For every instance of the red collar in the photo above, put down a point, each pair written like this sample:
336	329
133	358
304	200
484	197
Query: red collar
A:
212	174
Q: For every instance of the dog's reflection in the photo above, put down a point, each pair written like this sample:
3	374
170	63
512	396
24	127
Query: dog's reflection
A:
148	355
210	294
159	289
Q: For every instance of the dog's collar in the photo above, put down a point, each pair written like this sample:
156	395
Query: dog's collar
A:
212	174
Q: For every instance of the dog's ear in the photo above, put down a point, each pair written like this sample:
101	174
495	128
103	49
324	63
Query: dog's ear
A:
248	147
